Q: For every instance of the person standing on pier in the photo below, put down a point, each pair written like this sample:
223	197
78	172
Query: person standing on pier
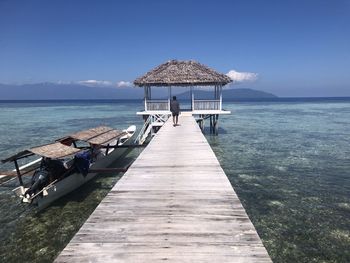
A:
175	110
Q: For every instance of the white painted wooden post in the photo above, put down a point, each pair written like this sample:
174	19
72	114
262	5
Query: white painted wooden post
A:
145	99
220	98
169	97
192	99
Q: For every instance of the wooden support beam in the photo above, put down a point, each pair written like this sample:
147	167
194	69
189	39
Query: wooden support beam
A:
211	124
202	123
26	172
216	125
18	173
108	147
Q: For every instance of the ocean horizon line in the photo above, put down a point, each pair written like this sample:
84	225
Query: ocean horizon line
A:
275	99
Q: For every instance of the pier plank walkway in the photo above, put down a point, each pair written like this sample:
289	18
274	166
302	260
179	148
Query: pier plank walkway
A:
174	204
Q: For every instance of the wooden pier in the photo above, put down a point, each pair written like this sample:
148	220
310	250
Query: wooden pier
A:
174	204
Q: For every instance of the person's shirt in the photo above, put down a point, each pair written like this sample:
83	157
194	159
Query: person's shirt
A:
174	106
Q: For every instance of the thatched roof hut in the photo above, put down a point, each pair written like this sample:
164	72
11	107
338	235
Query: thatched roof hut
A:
182	73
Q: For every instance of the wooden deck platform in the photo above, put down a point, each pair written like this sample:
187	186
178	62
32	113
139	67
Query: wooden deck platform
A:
174	204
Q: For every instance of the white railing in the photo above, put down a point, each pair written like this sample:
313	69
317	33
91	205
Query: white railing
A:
154	105
206	105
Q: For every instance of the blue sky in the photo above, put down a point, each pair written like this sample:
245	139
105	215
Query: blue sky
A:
293	48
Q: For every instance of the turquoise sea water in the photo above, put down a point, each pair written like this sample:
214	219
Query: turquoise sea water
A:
289	162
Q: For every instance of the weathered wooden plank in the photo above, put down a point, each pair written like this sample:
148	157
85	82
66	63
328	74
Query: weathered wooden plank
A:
172	252
175	203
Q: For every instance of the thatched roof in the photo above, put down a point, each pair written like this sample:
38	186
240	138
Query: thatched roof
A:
106	137
53	150
97	135
182	73
86	135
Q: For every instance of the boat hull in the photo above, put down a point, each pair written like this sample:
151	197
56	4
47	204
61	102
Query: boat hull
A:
73	181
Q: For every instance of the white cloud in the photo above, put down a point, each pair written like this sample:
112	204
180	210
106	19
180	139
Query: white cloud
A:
62	82
96	83
105	83
242	76
124	84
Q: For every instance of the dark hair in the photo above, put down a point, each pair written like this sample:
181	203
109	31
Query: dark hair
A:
174	97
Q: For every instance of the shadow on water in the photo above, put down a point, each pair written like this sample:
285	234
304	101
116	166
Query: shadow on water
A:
220	131
28	235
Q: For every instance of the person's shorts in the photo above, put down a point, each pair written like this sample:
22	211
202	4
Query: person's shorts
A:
175	114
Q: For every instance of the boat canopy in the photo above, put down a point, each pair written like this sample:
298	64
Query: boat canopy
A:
99	135
86	135
54	150
61	148
106	137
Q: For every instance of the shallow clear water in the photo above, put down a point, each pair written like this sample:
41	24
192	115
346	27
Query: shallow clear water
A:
28	124
30	236
290	165
289	162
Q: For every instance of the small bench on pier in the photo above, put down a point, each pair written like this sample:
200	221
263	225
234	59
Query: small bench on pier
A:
174	204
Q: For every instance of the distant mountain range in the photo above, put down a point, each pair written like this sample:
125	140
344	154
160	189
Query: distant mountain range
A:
53	91
229	94
48	91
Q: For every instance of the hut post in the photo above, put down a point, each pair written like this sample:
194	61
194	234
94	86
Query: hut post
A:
18	173
169	97
192	99
145	98
152	128
202	123
216	96
211	124
216	124
220	98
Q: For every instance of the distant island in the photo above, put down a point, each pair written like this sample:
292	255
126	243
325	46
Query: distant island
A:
230	94
73	91
54	91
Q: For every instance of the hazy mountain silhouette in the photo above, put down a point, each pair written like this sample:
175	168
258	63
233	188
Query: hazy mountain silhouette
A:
48	91
229	94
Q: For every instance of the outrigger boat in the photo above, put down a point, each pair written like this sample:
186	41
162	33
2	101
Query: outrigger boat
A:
68	163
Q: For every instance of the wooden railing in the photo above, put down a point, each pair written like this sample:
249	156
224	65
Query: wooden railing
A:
157	105
206	105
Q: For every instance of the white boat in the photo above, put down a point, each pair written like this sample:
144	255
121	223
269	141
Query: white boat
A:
112	144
